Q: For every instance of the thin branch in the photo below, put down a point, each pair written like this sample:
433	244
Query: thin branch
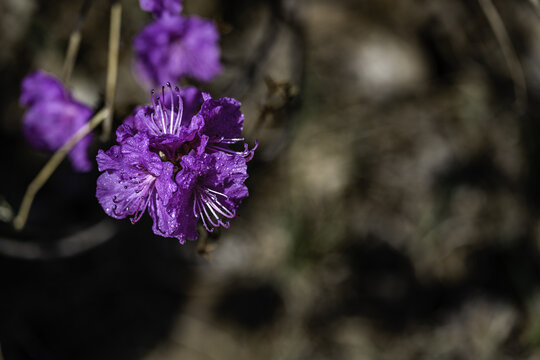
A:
509	53
71	55
74	43
71	245
112	67
51	165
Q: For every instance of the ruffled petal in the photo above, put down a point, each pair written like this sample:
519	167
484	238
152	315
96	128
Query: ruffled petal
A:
48	125
174	47
193	99
165	185
120	196
215	183
164	224
79	155
161	7
222	118
40	86
133	124
110	159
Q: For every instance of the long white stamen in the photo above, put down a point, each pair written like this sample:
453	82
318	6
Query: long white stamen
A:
178	119
203	219
172	108
151	125
195	206
216	192
208	216
223	140
215	216
221	209
164	131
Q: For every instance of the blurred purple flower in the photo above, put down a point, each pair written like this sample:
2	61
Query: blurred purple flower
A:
53	116
173	47
175	158
161	7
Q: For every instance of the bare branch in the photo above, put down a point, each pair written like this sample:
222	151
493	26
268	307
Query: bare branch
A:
71	55
52	164
112	67
74	43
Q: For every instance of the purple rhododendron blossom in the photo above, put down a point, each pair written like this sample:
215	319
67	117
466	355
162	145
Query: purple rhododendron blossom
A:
175	158
173	47
40	86
53	116
161	7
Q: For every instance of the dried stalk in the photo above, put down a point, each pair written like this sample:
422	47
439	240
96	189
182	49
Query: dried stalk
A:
71	55
74	42
104	115
52	164
112	67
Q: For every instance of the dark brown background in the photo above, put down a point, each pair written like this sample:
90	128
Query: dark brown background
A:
394	197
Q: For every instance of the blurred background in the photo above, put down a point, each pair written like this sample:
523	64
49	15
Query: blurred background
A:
395	199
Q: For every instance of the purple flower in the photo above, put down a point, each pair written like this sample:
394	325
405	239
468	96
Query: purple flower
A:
135	178
175	158
53	116
173	47
40	86
161	7
211	186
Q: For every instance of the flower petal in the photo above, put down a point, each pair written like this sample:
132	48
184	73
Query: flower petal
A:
121	197
161	7
174	47
222	118
48	125
40	86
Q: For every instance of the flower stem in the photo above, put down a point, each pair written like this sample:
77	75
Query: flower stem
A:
112	67
52	164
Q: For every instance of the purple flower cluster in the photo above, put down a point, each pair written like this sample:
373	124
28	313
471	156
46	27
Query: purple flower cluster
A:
175	157
161	7
176	46
53	116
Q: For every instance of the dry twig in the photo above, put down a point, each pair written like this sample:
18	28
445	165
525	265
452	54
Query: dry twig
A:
71	55
112	67
52	164
74	43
